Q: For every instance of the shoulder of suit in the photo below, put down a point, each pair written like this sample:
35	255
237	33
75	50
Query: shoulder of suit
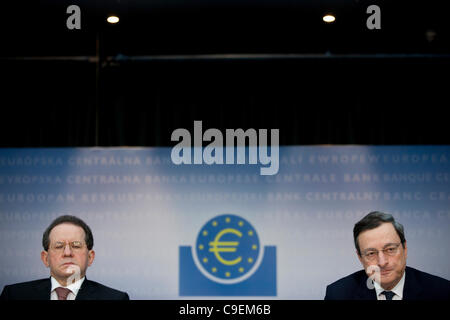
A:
346	287
29	284
30	290
427	277
353	279
105	289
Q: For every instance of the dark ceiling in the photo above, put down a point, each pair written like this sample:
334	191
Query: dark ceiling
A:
38	28
230	63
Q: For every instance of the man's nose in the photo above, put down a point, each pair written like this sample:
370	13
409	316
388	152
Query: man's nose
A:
67	250
382	259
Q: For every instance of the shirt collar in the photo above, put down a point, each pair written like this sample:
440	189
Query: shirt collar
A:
398	289
74	287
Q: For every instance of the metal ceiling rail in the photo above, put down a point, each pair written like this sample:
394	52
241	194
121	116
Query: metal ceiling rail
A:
93	59
234	56
276	56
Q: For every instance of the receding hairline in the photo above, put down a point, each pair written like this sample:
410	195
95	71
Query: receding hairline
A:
381	225
68	223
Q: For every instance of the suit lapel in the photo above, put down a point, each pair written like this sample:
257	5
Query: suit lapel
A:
412	289
42	290
85	292
363	292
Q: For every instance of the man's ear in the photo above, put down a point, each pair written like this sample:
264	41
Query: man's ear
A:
91	256
44	258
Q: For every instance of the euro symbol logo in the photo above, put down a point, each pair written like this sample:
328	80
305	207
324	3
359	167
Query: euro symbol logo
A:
218	246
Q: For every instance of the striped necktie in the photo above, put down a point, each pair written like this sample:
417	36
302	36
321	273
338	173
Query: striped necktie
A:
62	293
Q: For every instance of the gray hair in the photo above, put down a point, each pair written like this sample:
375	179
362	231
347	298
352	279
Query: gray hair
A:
373	220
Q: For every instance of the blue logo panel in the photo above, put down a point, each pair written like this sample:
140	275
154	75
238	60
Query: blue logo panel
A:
228	260
261	283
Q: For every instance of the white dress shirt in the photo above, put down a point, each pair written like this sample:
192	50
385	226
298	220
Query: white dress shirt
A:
398	289
74	287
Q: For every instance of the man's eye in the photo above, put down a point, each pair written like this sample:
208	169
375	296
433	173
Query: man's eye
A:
370	254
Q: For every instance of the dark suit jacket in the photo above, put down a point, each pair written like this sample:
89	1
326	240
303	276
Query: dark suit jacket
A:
40	290
418	286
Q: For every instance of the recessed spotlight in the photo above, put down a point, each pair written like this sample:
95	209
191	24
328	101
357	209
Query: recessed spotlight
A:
112	19
329	18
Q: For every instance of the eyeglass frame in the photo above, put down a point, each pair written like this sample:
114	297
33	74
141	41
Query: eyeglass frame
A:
72	246
385	252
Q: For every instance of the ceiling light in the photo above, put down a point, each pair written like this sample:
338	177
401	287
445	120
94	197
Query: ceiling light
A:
113	19
329	18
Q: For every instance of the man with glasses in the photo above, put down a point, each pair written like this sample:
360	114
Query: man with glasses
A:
68	244
381	248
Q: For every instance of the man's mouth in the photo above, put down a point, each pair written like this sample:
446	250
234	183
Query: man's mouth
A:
68	264
385	272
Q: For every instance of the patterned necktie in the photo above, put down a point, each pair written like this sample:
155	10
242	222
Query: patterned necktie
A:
62	293
388	294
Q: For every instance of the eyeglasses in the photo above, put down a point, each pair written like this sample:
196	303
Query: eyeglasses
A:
61	246
372	255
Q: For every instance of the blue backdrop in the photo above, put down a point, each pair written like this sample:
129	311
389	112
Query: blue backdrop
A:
144	210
